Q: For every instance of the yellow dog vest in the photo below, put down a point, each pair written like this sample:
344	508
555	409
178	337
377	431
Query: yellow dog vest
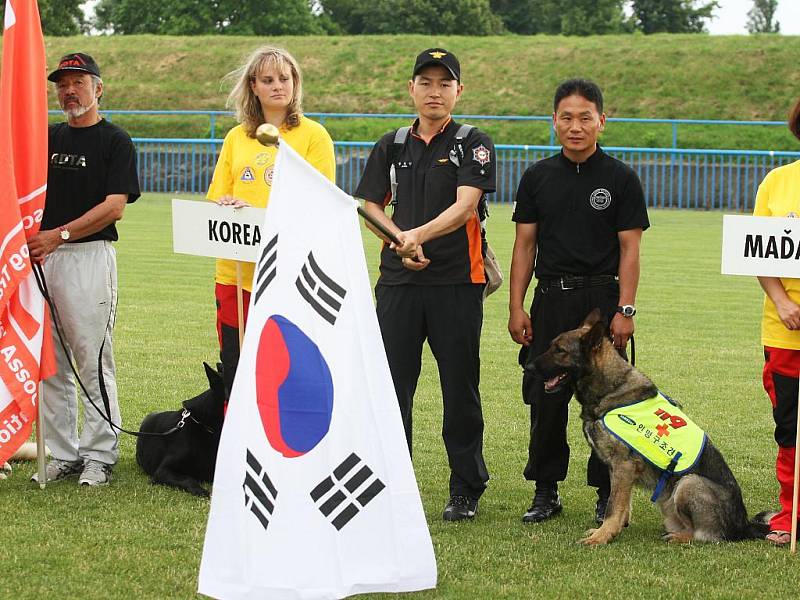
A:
659	431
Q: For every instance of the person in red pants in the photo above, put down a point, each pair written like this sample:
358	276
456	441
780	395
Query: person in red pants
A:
779	196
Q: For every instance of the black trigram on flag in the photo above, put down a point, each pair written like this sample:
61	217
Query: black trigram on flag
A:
266	266
259	493
323	294
346	491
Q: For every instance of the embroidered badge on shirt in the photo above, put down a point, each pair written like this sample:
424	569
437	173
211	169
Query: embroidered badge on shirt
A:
247	175
268	175
600	199
481	155
262	158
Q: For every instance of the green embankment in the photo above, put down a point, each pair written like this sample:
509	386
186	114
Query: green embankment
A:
659	76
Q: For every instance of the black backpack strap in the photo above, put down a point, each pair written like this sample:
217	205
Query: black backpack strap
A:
401	134
396	148
457	157
457	153
400	137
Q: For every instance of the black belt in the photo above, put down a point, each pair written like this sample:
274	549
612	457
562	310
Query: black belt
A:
574	282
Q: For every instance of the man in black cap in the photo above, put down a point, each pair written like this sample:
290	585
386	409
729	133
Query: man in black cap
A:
434	175
91	177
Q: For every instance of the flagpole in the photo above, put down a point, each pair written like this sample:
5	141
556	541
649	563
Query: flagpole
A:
239	303
40	449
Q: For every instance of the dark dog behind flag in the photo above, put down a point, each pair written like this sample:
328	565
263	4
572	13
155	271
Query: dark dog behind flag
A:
186	457
702	501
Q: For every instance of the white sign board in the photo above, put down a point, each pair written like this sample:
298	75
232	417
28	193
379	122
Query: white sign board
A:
207	229
766	246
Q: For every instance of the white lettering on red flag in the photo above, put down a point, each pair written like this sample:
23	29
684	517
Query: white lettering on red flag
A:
314	494
25	354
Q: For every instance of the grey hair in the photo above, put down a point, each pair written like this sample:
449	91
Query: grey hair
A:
95	82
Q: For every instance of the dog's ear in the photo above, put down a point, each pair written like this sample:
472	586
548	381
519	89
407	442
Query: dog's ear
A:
592	318
592	339
215	381
207	407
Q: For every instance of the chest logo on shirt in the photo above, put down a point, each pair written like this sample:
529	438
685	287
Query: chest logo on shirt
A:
791	215
600	199
268	175
262	158
67	161
247	175
481	155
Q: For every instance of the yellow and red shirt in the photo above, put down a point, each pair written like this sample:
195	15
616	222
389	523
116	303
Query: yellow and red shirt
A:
245	170
779	196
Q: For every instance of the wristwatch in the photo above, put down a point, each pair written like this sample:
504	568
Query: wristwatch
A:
627	310
64	233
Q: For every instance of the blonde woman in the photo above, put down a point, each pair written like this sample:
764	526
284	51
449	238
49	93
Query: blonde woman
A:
268	89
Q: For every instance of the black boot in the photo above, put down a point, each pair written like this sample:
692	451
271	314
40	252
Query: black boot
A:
460	508
546	503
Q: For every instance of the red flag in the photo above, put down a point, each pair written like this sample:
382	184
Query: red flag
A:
25	350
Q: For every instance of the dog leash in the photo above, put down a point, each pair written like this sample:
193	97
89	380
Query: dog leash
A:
42	284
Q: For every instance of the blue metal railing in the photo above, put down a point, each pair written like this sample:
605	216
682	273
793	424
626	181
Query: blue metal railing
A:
213	115
671	178
548	119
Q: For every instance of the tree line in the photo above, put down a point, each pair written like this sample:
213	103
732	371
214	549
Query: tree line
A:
354	17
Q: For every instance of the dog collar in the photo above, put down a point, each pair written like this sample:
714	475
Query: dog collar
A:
187	414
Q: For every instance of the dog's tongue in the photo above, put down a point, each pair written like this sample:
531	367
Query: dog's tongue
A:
553	382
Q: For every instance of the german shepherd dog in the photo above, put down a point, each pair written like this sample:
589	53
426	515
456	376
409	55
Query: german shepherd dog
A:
186	457
704	504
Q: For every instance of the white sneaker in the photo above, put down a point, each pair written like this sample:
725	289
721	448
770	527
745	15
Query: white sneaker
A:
95	473
58	469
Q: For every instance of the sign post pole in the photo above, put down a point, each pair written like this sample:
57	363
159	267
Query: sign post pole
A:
793	547
239	303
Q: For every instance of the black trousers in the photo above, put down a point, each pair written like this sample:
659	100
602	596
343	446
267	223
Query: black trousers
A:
553	312
450	318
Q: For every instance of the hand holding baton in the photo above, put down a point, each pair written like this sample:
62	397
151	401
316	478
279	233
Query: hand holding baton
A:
268	135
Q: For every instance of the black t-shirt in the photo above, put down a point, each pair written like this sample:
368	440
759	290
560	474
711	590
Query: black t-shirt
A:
427	181
86	164
580	209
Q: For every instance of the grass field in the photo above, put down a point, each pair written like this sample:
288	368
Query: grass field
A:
697	337
658	76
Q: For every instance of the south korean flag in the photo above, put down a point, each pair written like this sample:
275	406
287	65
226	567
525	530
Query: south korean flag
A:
314	494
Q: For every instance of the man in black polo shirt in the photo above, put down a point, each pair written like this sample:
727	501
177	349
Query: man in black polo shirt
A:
579	220
434	175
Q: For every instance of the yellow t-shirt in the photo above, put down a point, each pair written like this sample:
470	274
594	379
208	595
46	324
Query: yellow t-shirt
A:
779	196
245	168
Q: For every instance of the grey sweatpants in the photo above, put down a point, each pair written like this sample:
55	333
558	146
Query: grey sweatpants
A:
82	281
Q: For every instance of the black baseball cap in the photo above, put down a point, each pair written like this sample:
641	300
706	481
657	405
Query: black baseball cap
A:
77	61
438	56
